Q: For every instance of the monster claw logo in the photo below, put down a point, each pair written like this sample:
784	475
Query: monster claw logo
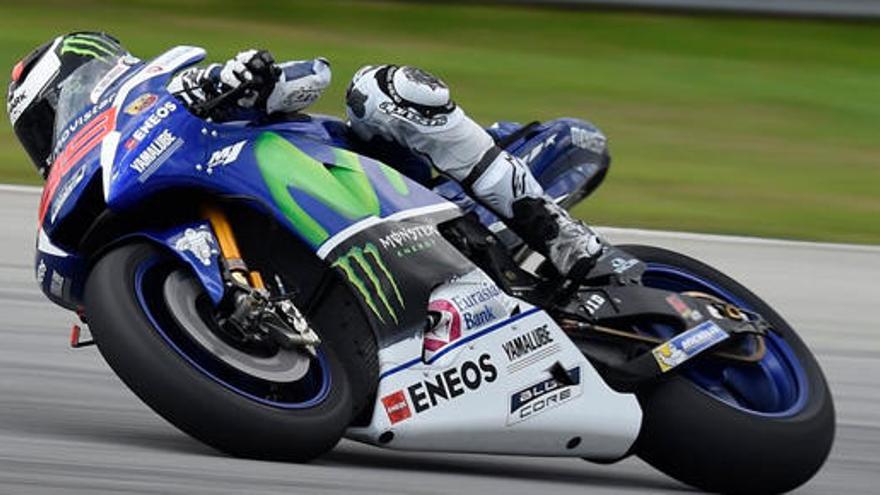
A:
364	268
89	45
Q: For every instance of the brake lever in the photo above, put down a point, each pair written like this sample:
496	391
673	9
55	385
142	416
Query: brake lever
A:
203	109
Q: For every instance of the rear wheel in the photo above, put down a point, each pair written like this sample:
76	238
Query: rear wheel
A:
765	427
154	326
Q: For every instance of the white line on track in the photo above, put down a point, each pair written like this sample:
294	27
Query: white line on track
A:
16	188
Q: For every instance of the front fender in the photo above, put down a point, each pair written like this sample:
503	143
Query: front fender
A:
195	245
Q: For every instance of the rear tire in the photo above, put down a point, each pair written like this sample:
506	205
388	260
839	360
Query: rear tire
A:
708	443
197	403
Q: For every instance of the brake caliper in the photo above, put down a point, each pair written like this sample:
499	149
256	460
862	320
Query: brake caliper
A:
277	318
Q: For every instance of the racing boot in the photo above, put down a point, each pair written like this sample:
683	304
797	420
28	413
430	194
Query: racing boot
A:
414	108
506	186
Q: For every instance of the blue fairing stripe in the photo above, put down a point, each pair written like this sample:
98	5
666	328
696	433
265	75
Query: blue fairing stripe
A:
461	342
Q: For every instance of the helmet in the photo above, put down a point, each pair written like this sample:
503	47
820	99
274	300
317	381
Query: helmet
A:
38	80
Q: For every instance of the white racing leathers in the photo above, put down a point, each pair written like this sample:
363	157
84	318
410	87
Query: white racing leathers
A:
414	109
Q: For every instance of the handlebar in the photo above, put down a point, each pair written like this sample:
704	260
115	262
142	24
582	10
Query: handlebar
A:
204	108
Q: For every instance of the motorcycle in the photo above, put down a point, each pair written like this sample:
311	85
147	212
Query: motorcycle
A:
268	290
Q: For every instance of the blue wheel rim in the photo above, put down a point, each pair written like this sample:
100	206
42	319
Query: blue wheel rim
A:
776	386
316	384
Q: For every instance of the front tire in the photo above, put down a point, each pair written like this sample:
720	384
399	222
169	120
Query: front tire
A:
124	319
735	441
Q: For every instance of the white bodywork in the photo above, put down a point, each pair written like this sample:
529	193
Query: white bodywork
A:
488	392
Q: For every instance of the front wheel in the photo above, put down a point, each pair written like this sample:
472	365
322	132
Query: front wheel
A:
763	427
152	324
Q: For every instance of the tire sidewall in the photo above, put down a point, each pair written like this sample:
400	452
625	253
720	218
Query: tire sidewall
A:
183	395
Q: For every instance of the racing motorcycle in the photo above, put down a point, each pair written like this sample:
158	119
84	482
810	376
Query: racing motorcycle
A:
268	289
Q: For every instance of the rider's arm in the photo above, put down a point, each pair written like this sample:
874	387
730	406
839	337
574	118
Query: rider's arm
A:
299	84
273	88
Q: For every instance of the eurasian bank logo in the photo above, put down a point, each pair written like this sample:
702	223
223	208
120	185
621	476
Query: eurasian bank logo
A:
367	272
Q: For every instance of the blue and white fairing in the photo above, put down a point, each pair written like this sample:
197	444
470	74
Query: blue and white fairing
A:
377	228
137	141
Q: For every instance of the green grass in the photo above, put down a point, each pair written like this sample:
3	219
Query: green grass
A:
750	126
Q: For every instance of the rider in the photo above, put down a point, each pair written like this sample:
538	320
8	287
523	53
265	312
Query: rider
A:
401	104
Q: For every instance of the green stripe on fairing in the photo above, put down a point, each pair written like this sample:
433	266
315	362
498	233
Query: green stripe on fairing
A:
350	173
342	187
278	161
395	179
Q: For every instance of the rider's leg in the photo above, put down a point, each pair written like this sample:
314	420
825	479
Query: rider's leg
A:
414	108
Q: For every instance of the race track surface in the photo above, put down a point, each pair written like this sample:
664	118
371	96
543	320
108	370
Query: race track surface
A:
67	424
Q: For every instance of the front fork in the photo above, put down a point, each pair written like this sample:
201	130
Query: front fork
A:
255	312
229	251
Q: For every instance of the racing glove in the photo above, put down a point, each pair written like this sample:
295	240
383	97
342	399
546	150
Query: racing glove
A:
256	70
275	88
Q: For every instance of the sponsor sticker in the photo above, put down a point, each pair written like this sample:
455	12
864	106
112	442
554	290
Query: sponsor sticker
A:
620	265
109	78
406	113
683	309
226	155
150	123
450	384
591	140
543	396
366	271
529	348
396	407
479	317
445	327
594	303
199	242
65	191
410	239
487	292
56	284
478	306
688	344
141	103
83	121
41	272
81	144
156	153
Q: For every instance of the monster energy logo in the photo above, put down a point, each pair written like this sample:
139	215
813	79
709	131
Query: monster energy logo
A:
89	45
366	271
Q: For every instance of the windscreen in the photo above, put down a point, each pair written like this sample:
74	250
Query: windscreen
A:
75	95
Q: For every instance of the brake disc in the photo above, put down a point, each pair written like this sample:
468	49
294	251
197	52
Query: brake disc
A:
181	292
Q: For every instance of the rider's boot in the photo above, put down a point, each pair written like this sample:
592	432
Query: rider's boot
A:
504	184
414	108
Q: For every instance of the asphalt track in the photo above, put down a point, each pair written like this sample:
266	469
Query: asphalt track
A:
67	424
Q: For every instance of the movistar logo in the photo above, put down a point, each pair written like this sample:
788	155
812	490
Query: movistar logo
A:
367	272
89	45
